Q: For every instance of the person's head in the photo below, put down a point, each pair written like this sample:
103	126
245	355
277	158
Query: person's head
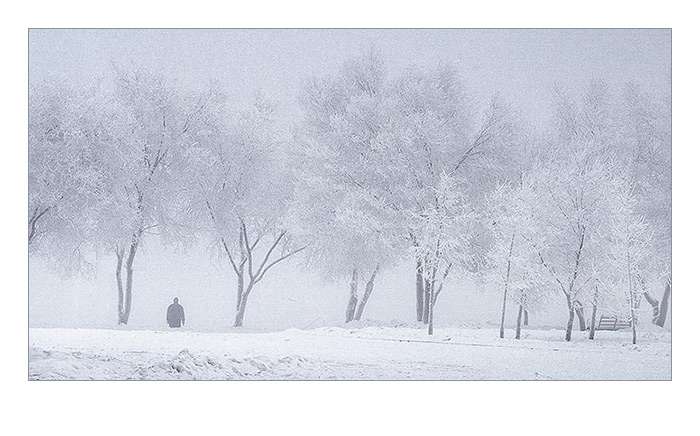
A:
175	300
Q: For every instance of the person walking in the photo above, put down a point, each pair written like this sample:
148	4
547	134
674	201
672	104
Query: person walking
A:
176	315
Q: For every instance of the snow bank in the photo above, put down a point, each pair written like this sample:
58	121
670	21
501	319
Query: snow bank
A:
53	365
367	353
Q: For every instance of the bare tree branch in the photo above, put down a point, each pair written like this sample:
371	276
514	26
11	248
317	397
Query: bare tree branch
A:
276	262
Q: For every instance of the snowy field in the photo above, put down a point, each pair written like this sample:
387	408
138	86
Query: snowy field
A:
335	353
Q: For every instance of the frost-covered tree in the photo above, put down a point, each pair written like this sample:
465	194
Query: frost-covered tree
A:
445	240
239	189
437	133
345	240
149	121
630	130
598	143
345	211
574	212
606	295
645	136
396	142
631	250
65	188
516	240
100	166
348	207
529	291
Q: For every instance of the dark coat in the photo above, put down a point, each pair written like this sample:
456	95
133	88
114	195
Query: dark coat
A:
176	315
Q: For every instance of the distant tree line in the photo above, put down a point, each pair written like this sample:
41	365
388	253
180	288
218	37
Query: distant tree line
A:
375	172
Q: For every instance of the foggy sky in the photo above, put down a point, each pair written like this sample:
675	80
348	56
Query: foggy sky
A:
523	65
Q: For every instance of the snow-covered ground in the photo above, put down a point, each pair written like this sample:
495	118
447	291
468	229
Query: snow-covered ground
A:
360	352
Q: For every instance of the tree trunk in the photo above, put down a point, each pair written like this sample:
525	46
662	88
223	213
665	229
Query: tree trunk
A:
239	291
430	314
518	322
570	322
633	301
419	290
426	300
654	307
352	302
429	303
591	333
239	273
505	288
240	313
663	306
130	277
369	287
125	292
503	313
120	286
33	221
526	317
570	304
633	313
580	315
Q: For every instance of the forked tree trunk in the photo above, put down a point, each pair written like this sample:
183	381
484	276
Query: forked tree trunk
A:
257	274
433	294
352	302
369	287
591	333
663	306
240	313
239	291
581	316
526	317
419	290
518	322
